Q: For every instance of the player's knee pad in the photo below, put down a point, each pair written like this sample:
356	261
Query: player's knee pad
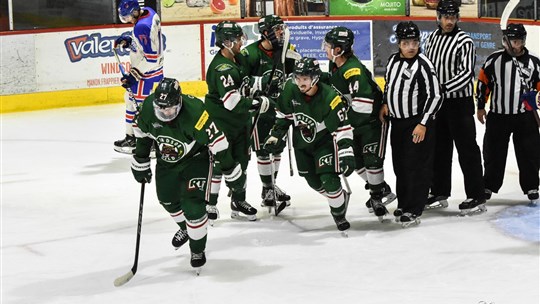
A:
171	207
331	182
313	181
372	161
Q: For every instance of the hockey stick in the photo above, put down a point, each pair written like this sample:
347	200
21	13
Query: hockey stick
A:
128	276
123	72
284	56
346	182
508	9
286	38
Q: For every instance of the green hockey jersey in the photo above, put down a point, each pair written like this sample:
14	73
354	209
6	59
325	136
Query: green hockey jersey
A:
190	133
318	120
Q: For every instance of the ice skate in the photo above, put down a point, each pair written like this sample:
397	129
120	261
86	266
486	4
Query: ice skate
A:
244	208
126	145
487	194
409	219
213	213
533	196
269	199
179	239
197	261
472	206
342	225
387	197
378	208
397	215
436	202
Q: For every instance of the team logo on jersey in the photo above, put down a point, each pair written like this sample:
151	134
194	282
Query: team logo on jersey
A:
198	183
371	148
171	149
307	127
326	160
157	125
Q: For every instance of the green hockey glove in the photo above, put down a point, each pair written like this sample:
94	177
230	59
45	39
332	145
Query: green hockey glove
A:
140	167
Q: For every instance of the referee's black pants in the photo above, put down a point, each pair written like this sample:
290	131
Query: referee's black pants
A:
413	163
524	131
454	124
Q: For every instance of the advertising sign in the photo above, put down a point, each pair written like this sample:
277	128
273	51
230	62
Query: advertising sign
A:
181	10
486	36
368	7
307	37
427	8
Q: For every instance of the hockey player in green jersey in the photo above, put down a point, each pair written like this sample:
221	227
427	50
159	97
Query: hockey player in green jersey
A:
184	134
322	137
231	111
259	60
363	97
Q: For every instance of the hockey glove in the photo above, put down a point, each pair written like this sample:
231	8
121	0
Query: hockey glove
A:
123	41
235	178
140	167
273	144
262	103
531	100
347	163
131	79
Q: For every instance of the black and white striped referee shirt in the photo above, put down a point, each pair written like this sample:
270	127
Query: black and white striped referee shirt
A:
411	88
500	78
453	55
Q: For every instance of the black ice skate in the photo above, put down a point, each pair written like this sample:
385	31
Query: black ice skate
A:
397	214
436	202
197	261
387	197
533	196
244	208
487	194
213	214
409	219
269	195
341	222
472	206
378	207
179	239
126	145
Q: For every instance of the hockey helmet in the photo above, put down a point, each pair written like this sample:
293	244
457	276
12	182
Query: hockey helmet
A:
128	9
407	30
340	36
269	23
307	67
515	31
227	31
447	7
167	99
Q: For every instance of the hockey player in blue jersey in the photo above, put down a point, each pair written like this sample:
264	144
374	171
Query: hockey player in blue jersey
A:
146	56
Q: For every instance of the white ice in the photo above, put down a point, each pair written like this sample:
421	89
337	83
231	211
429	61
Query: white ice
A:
69	214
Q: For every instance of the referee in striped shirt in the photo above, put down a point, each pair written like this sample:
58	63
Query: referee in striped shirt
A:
453	54
411	98
505	76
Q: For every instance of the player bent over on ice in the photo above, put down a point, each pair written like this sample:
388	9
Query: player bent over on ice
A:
322	137
186	137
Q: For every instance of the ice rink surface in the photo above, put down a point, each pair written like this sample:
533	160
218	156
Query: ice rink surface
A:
69	214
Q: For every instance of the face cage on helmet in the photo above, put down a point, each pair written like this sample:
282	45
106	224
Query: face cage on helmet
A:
168	113
229	44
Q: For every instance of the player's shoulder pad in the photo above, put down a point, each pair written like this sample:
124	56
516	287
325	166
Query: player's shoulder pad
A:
223	67
352	72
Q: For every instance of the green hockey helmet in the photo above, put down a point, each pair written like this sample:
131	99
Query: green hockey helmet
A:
167	99
227	31
307	67
340	36
268	23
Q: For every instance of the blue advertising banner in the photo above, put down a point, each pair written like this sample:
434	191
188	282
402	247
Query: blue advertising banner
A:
309	36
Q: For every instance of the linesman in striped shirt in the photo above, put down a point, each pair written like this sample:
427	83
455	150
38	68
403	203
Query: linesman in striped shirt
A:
453	54
508	76
411	99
